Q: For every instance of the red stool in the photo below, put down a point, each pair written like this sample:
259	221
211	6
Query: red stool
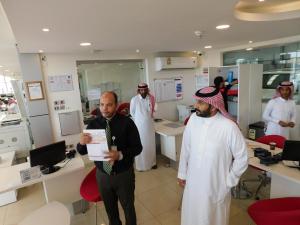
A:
89	189
277	211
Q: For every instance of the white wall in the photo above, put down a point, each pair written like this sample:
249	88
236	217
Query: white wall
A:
60	64
168	109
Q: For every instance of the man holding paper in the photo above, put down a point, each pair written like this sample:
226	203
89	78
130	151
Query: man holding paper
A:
115	173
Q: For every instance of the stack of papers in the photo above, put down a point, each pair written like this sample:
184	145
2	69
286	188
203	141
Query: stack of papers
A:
98	148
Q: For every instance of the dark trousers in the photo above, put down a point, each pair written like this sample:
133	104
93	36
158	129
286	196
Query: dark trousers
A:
114	187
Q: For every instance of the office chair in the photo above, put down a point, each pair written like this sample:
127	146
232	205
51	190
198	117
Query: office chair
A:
89	189
124	108
186	120
279	140
276	211
263	179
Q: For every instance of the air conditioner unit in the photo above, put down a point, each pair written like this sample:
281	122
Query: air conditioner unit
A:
166	63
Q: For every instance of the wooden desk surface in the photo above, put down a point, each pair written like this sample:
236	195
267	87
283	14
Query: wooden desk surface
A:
279	169
10	178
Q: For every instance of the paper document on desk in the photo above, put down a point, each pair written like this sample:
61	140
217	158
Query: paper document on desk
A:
98	148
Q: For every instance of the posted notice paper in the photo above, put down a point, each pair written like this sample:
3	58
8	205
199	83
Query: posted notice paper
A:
98	148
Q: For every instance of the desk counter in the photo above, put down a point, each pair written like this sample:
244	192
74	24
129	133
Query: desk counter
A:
170	138
62	185
285	181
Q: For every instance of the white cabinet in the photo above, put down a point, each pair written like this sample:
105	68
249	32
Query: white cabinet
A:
171	146
246	105
15	138
170	138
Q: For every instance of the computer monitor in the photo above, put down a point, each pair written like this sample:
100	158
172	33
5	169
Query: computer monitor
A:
47	156
291	151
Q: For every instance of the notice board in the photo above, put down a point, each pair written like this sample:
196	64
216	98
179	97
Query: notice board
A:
60	83
168	89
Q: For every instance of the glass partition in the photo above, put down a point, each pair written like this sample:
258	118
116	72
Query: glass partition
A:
280	63
96	77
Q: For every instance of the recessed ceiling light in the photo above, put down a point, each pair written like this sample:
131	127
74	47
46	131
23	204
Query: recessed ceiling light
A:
222	27
198	33
6	70
41	51
85	44
208	46
261	0
250	42
137	51
46	29
1	66
249	49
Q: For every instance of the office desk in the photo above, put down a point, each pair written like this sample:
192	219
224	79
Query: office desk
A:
285	181
7	160
170	138
62	185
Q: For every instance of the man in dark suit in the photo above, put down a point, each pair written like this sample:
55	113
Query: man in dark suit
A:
115	178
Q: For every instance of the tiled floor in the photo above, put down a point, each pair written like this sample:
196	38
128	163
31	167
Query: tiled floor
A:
157	200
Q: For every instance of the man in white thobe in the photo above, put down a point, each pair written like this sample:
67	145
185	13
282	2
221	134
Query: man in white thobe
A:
213	157
280	112
142	107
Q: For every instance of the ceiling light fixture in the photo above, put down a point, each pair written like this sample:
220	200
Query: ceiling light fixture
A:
6	70
208	46
46	29
194	52
250	42
137	51
1	66
261	0
222	27
41	51
198	33
85	44
249	49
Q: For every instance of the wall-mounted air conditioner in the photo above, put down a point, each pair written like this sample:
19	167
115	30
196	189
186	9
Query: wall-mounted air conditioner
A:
166	63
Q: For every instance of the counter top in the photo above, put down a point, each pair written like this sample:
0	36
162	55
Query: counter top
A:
169	128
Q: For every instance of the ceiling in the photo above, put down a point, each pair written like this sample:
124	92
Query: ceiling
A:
151	26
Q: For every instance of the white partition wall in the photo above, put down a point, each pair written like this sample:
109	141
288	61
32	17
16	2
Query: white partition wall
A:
246	107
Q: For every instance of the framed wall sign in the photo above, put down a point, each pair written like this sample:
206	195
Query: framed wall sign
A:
35	90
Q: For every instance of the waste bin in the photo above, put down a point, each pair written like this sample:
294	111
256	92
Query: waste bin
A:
256	130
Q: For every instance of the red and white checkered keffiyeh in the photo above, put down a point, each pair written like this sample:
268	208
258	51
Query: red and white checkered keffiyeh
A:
213	96
288	84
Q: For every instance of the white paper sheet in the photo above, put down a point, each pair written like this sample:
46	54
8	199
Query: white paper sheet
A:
98	148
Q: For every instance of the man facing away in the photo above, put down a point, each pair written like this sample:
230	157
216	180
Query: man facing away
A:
115	178
213	157
142	107
280	112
